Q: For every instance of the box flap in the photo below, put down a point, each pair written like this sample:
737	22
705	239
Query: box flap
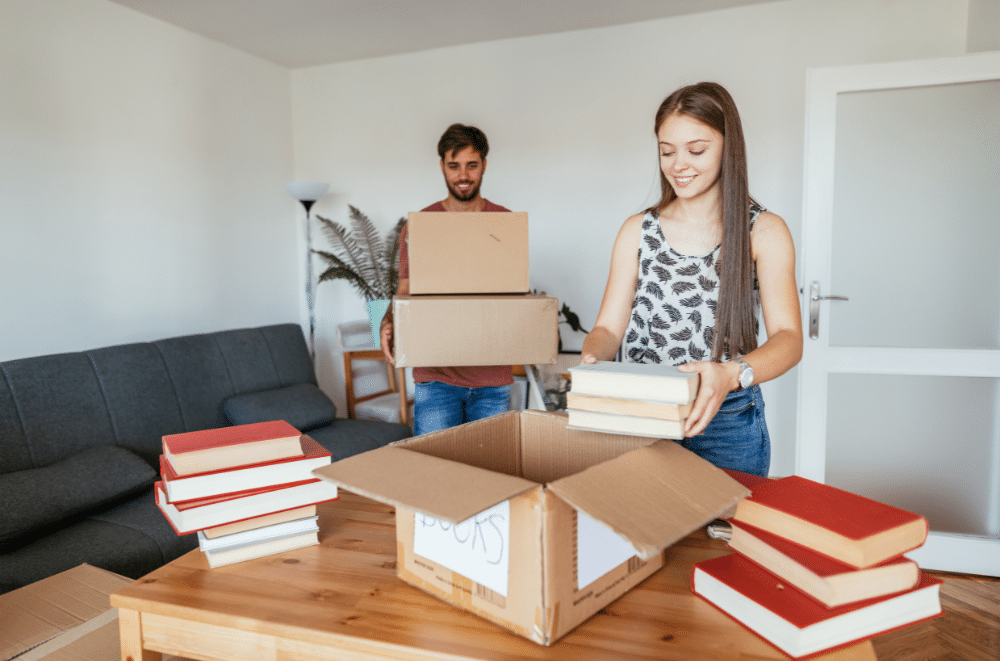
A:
671	492
438	487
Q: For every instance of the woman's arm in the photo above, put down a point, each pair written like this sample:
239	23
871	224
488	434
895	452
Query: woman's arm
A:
603	342
773	253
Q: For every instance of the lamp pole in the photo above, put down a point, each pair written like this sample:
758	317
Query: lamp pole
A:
307	193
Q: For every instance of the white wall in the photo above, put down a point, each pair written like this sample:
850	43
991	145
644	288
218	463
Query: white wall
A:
141	166
984	26
141	181
569	119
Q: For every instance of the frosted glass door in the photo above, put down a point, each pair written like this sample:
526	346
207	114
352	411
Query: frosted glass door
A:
916	217
899	394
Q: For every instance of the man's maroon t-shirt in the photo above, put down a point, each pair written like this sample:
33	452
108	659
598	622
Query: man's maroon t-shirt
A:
465	377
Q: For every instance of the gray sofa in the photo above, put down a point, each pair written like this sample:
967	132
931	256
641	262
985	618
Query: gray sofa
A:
80	439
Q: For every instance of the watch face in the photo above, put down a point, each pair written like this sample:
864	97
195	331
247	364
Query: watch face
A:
746	377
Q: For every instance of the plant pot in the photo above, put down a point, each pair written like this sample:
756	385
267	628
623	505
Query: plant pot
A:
376	310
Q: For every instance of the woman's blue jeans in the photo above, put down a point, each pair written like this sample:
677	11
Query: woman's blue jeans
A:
439	405
737	437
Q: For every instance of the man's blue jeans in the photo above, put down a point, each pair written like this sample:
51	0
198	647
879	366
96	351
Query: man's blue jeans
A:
439	405
737	436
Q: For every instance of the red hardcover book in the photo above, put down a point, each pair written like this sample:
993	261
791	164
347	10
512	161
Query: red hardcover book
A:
853	529
228	447
794	622
193	515
746	479
829	581
265	474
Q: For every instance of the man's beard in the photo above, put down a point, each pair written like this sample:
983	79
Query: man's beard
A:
463	197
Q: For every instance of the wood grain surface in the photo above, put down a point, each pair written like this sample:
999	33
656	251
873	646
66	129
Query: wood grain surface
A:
342	600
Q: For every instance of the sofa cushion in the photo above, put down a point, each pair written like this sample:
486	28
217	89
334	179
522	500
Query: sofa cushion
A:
141	401
60	405
37	499
345	437
303	406
132	539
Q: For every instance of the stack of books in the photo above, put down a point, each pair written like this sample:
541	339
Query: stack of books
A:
248	491
631	398
816	567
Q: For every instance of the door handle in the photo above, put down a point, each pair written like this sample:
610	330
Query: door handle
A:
814	299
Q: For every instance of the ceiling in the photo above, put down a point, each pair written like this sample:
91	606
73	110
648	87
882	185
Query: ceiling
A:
304	33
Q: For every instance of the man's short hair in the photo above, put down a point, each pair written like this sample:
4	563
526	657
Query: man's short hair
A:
460	136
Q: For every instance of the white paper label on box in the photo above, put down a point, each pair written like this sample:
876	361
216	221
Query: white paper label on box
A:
477	548
599	549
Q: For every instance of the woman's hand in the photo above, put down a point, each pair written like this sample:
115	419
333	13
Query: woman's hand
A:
717	380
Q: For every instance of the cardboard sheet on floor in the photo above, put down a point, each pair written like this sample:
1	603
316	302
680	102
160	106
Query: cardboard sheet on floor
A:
65	616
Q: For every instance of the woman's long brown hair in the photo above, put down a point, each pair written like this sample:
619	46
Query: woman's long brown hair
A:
711	104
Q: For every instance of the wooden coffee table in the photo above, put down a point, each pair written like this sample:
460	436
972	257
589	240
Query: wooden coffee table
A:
342	600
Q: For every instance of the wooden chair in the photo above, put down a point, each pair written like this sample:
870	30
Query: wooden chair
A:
370	395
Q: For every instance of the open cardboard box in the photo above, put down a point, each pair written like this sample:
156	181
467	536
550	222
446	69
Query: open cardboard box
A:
468	252
62	617
532	525
497	329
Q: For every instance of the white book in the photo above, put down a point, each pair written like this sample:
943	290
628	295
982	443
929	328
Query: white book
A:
253	476
191	516
630	425
261	521
642	381
270	547
257	535
642	408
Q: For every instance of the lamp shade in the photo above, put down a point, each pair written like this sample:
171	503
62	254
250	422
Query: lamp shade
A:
306	191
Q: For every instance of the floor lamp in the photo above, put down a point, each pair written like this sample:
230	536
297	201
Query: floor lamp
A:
307	192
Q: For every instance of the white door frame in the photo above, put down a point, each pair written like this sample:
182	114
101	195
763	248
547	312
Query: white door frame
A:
819	359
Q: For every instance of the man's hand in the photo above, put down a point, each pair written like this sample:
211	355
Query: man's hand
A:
385	334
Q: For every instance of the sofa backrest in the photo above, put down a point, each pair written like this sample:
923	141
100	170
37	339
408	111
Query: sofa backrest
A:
52	407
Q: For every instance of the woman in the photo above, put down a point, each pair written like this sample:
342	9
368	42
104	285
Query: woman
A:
708	258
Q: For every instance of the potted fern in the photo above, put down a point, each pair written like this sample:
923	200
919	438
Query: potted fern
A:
365	260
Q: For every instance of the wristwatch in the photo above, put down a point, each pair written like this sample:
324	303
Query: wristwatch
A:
746	374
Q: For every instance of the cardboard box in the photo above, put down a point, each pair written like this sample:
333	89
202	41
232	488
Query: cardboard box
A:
527	523
65	616
446	331
468	253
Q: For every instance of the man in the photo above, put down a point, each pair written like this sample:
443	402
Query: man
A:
449	396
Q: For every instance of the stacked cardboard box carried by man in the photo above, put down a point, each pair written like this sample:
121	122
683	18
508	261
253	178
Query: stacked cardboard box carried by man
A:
631	398
816	567
248	491
469	302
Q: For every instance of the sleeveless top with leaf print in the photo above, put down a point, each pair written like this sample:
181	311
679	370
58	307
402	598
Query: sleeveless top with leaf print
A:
673	313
